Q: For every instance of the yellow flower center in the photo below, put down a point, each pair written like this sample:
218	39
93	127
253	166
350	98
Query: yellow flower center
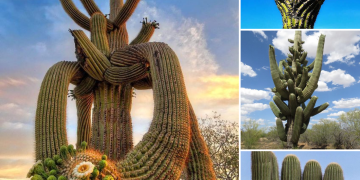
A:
83	168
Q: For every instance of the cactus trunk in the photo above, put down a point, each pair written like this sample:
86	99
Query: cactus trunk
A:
296	87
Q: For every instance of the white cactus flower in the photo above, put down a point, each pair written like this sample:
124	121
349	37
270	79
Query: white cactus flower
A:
83	170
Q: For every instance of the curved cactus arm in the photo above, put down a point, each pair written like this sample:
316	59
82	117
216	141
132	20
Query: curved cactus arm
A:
292	104
333	171
302	58
123	75
280	129
312	84
199	165
319	109
297	125
284	109
91	59
85	87
90	6
261	165
276	111
291	169
281	69
83	106
143	84
99	36
125	12
79	18
50	120
147	30
304	79
312	171
309	108
280	87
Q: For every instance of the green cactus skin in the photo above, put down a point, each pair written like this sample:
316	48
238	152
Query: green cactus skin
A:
261	165
106	72
298	14
281	130
274	168
297	86
333	172
291	169
312	171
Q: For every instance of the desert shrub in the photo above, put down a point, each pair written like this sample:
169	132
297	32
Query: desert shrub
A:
350	124
321	133
251	133
272	134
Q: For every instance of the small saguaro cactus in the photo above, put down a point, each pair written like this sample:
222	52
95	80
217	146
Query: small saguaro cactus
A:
333	172
295	83
264	166
291	169
312	171
107	70
299	14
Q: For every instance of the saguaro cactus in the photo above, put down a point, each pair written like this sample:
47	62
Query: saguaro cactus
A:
312	171
333	172
264	166
107	70
299	14
294	83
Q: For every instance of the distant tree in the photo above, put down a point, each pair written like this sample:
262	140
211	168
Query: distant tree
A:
251	133
222	139
350	124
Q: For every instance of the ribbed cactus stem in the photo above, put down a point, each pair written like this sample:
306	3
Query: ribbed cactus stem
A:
274	167
333	172
83	106
261	165
299	14
312	171
291	169
98	33
79	18
50	120
90	6
147	30
125	12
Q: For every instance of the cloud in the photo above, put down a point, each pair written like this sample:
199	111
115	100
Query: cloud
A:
337	114
248	96
247	70
261	33
322	86
347	103
342	46
249	108
337	77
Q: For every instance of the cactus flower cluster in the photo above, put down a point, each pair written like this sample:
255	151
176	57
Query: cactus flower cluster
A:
295	84
264	167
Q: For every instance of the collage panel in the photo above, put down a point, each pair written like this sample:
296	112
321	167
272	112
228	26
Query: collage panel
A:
299	89
299	165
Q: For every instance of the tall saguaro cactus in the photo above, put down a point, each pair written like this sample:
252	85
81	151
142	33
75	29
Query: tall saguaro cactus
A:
108	67
295	83
299	14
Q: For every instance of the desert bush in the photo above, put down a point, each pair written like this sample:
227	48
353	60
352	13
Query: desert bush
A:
350	125
251	133
322	133
272	134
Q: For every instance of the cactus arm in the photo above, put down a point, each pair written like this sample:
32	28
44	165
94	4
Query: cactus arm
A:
280	129
261	165
99	37
274	167
281	65
199	165
275	74
79	18
291	86
312	171
302	58
333	171
90	6
123	75
83	106
297	125
312	84
91	59
293	104
291	169
309	108
85	87
319	109
304	79
298	79
310	66
50	120
284	109
125	12
276	111
147	30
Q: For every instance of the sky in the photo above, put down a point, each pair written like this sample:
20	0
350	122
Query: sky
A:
339	81
344	158
34	36
334	14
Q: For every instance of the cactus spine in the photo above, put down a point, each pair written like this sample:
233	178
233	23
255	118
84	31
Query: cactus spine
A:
106	71
291	169
312	171
264	166
333	172
294	84
299	14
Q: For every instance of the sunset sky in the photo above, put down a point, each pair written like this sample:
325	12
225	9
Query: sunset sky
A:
34	36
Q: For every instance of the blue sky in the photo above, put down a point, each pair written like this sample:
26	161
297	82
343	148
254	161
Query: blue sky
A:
34	36
334	14
339	79
344	158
